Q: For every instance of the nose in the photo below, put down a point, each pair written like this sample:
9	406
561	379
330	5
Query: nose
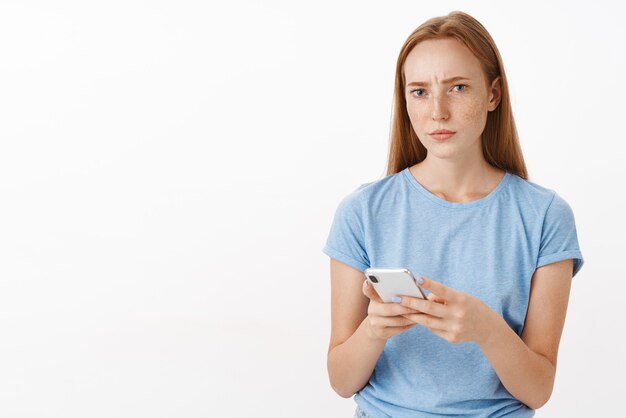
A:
439	108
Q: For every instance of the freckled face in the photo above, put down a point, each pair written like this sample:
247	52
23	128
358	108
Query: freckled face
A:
460	105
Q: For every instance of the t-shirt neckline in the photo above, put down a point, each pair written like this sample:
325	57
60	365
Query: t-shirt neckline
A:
456	205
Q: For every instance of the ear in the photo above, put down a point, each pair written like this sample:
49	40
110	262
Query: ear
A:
495	93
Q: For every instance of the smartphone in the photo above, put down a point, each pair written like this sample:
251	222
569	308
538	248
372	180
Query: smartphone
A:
390	282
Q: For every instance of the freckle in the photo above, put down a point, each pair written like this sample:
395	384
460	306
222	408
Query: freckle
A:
473	111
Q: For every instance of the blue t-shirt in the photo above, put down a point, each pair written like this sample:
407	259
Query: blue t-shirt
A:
488	248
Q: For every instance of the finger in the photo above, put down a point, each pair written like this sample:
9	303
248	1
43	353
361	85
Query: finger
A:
404	328
394	321
435	298
424	306
381	308
370	292
429	321
439	289
393	309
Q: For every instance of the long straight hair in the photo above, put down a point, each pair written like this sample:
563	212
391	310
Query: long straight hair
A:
500	143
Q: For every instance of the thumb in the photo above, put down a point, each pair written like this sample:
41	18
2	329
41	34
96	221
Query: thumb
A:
370	292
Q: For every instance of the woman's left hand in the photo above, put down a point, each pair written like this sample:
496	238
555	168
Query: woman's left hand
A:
454	316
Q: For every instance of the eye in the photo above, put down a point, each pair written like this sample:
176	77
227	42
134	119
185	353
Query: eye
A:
464	87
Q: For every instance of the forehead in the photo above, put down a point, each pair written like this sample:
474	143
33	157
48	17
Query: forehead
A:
437	59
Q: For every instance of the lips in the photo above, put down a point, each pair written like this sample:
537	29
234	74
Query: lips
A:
441	136
441	131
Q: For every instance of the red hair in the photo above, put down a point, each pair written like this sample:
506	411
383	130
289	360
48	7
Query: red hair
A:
499	139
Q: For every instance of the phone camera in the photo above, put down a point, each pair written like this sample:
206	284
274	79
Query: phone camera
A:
373	279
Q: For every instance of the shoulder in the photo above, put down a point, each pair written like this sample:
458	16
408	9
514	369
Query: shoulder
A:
536	197
368	192
546	206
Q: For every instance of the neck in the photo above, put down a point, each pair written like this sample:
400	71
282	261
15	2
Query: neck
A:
458	178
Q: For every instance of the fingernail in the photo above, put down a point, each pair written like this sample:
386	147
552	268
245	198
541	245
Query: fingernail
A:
420	280
396	299
366	284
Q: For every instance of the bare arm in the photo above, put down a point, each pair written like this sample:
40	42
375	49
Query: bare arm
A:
361	325
526	365
351	363
352	352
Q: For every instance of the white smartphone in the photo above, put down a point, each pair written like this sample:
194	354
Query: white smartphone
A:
390	282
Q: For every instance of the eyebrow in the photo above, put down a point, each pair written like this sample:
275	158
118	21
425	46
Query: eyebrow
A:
448	80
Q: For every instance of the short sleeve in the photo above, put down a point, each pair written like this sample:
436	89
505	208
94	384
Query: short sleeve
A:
559	240
346	241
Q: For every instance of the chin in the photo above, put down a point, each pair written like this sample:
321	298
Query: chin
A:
438	152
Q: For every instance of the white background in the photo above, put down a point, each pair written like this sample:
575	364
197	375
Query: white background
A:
169	171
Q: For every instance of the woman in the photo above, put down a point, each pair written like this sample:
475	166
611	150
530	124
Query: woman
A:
496	252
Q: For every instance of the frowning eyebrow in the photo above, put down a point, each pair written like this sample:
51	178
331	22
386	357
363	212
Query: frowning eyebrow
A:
448	80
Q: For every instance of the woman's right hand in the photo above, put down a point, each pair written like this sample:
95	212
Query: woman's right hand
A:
384	319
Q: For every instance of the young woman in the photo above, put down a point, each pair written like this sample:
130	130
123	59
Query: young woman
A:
496	252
